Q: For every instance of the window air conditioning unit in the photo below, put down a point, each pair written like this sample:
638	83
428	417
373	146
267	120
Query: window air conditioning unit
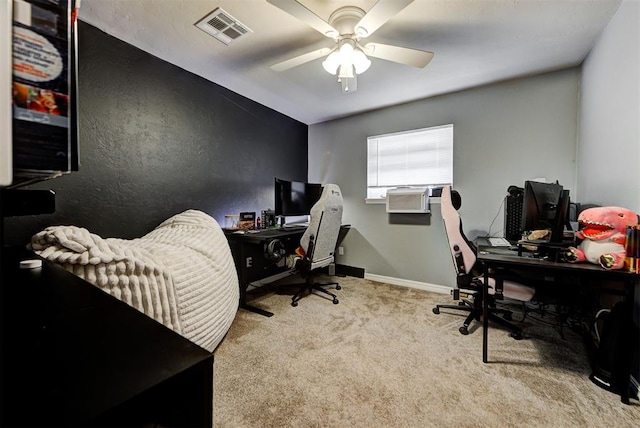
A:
408	200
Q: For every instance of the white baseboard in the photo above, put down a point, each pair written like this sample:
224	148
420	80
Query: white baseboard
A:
435	288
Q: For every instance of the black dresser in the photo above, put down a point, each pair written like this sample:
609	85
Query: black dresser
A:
74	356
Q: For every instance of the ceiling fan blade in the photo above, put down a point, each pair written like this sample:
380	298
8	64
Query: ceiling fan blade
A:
298	10
412	57
301	59
380	13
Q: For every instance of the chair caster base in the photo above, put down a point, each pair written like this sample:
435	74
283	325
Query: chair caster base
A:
516	336
463	330
436	310
335	301
338	287
294	304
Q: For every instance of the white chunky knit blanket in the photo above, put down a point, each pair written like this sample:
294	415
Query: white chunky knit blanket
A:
181	274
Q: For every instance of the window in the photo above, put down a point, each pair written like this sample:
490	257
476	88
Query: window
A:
418	158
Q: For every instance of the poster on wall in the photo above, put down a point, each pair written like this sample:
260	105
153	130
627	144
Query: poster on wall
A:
41	85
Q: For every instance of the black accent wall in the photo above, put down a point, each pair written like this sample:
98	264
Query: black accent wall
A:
156	140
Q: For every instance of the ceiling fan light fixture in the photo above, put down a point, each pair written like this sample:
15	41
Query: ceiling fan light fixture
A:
332	62
346	51
349	84
346	60
345	71
360	61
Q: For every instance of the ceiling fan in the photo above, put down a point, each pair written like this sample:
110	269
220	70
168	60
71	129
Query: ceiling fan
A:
347	26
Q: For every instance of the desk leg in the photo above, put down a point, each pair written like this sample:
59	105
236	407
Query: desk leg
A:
256	310
243	303
240	256
485	315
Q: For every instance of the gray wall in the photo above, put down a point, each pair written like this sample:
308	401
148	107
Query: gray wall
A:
156	140
609	140
503	134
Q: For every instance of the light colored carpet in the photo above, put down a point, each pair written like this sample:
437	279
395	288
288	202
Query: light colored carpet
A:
381	358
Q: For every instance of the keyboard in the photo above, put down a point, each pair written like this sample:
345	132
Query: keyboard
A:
499	242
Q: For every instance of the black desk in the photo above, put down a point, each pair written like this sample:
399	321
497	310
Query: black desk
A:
248	250
502	260
74	356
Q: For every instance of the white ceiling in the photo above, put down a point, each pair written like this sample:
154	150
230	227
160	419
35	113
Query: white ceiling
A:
475	42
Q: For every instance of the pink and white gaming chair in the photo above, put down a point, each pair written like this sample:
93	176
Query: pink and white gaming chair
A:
469	273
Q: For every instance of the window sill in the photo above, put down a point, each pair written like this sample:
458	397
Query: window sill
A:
375	201
382	201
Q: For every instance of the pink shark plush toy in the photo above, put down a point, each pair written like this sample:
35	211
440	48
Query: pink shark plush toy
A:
603	232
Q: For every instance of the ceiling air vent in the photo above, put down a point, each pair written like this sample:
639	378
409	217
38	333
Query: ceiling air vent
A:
223	26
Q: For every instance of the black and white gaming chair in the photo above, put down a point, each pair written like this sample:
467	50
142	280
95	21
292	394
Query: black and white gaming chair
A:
319	242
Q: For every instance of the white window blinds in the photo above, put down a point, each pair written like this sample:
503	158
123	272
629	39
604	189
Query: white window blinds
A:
422	157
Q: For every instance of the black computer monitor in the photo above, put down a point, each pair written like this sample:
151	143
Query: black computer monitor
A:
295	198
545	206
